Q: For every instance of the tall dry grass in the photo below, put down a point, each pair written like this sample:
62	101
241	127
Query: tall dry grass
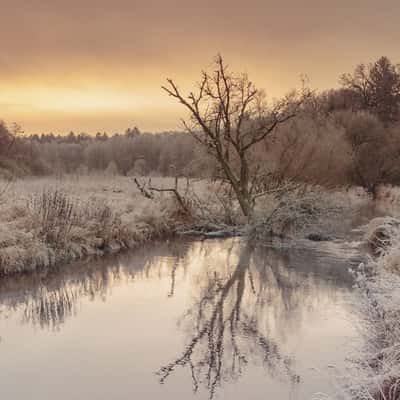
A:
48	221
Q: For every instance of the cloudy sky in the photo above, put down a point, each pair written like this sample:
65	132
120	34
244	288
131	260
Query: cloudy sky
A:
97	65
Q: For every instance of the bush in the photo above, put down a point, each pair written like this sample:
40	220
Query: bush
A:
57	215
374	151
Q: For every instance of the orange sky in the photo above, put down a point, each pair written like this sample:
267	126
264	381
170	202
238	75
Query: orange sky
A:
97	65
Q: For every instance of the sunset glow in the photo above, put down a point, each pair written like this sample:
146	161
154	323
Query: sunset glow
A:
100	65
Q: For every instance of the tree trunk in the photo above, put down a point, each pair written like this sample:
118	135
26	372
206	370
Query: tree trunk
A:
241	188
244	204
239	185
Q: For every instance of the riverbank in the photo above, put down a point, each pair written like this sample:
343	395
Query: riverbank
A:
49	221
377	373
46	222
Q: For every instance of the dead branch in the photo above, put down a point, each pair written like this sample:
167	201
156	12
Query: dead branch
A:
143	190
148	192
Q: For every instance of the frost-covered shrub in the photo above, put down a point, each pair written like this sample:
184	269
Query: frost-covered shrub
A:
377	373
57	213
295	213
383	235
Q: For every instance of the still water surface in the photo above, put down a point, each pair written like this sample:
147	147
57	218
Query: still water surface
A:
219	319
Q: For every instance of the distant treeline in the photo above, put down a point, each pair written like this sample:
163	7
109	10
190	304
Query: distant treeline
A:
130	153
344	136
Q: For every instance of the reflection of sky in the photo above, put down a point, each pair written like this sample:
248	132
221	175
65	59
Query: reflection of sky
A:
118	322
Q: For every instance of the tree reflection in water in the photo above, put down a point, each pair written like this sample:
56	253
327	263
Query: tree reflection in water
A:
246	300
226	332
48	299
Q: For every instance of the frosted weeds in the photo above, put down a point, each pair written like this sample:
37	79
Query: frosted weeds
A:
377	375
103	213
383	235
109	214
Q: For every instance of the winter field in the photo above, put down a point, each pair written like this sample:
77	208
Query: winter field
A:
47	221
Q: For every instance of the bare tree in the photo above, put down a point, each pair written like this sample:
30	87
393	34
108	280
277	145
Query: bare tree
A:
359	83
377	88
229	116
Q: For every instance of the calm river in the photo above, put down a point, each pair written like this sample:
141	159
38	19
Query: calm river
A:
219	319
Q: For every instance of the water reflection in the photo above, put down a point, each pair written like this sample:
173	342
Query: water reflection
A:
238	304
49	298
242	310
226	333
